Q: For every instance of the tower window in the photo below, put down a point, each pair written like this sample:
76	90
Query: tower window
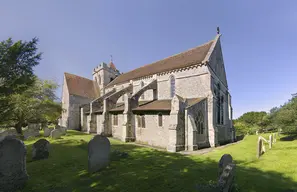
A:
99	80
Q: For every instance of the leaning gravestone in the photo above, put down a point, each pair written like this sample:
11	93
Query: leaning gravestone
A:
13	173
40	149
98	153
259	147
56	134
225	160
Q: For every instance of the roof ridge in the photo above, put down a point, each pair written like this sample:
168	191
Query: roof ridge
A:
78	76
175	55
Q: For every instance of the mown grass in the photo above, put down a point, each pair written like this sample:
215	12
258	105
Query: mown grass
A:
148	169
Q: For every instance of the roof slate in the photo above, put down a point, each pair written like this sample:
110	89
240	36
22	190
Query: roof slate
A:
81	86
185	59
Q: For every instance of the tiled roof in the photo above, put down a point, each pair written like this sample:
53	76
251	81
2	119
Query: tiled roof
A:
81	86
156	105
184	59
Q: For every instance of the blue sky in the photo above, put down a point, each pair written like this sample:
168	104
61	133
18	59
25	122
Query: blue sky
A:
259	39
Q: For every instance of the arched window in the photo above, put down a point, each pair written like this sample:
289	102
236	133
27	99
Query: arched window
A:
172	86
141	86
199	121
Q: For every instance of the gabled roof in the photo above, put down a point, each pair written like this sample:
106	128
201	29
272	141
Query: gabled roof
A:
81	86
185	59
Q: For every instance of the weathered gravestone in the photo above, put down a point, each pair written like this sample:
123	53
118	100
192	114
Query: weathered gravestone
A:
40	149
13	173
98	153
46	131
56	134
259	147
270	141
63	130
225	160
226	180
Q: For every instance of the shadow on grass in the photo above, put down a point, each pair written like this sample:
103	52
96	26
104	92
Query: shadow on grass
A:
144	169
291	137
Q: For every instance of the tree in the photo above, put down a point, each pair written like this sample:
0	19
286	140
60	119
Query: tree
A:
17	60
36	104
250	122
286	117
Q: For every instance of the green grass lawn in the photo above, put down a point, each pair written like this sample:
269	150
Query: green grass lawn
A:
148	169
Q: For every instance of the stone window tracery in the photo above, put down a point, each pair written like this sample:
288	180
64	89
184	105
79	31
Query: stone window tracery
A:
199	121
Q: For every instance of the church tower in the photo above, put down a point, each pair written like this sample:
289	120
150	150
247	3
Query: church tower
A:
104	74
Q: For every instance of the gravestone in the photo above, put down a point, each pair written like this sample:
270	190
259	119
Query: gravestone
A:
47	131
226	180
63	130
274	137
40	149
13	173
270	141
56	134
98	153
259	147
225	160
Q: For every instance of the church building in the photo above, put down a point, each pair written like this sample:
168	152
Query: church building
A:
180	103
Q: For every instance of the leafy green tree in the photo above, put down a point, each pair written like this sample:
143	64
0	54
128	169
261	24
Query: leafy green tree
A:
286	117
36	104
250	122
17	60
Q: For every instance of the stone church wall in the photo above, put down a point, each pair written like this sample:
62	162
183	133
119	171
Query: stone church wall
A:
152	134
201	140
191	83
117	130
74	111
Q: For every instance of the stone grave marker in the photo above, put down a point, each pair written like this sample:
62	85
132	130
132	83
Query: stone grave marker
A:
63	130
56	134
226	180
47	131
225	160
270	141
13	173
259	147
40	149
98	153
